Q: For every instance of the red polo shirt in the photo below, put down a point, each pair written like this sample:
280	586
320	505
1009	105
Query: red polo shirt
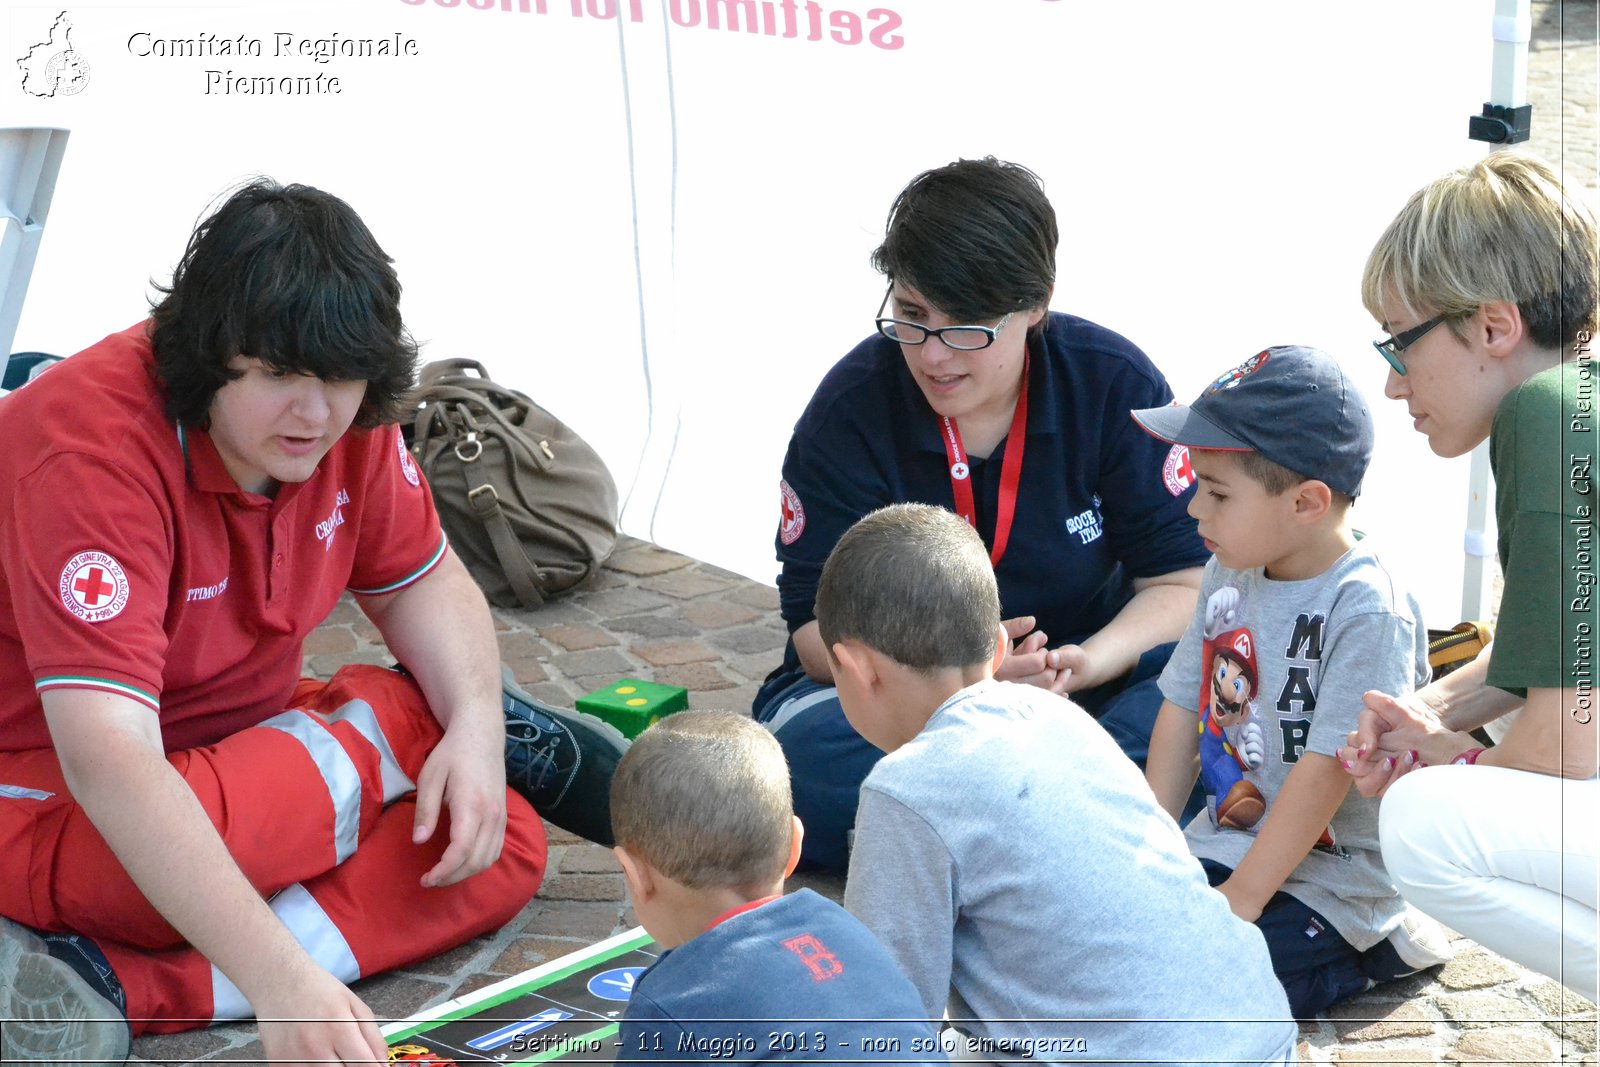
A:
133	563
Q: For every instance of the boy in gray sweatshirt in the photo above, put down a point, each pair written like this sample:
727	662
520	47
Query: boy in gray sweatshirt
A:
1006	851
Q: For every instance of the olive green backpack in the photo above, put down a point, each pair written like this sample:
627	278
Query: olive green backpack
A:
528	506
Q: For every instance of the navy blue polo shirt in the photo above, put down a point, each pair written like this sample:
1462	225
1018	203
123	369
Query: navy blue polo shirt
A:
1100	502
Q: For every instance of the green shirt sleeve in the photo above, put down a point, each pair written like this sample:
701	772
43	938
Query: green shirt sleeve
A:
1543	447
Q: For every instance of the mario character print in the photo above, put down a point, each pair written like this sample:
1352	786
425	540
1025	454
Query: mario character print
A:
1230	733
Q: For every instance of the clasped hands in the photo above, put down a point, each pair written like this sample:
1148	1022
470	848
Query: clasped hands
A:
1395	736
1060	670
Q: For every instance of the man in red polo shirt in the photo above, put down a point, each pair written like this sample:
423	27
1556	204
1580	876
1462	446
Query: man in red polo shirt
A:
189	499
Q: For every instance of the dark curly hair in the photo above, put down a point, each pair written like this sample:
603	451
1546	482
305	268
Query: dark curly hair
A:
291	276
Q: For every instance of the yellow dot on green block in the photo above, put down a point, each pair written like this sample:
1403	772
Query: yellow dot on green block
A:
626	689
637	701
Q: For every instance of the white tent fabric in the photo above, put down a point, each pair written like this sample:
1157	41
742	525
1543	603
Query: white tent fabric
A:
655	215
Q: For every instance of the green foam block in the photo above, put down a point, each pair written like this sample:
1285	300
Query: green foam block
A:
631	705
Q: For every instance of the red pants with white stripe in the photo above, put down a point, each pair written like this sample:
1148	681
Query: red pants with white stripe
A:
316	806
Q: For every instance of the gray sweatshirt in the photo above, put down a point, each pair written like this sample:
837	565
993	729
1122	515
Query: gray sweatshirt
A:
1021	873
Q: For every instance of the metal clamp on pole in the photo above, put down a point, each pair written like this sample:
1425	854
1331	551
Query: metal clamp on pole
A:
1508	117
1502	125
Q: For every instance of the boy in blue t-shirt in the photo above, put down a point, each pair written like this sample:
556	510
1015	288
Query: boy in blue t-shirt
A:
706	834
1296	620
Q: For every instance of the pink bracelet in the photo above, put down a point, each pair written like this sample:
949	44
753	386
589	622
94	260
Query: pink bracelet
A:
1469	756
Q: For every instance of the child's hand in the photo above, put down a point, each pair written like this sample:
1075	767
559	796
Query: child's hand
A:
1369	769
1377	769
1389	741
1075	667
1027	660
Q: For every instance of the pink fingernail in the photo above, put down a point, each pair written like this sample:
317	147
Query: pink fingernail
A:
1388	763
1345	764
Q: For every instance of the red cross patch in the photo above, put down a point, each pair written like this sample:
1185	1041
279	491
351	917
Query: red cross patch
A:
94	587
408	466
794	515
1176	471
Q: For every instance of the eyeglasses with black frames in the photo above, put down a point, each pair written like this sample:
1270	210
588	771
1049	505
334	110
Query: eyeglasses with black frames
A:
961	338
1391	347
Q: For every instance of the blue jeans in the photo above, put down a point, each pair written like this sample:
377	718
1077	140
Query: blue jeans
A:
828	760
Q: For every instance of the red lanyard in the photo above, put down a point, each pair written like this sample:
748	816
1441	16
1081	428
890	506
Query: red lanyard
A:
1010	471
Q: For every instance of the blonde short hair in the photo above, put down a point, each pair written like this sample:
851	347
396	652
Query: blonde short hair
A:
703	797
1508	227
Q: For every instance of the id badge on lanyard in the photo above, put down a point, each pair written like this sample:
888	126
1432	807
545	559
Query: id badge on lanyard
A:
1010	471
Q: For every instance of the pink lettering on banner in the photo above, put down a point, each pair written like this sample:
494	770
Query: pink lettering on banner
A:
806	20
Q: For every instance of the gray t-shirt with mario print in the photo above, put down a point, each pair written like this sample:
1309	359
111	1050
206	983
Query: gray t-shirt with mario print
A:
1274	670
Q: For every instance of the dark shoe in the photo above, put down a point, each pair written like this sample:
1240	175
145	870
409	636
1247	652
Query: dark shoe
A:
60	1001
561	761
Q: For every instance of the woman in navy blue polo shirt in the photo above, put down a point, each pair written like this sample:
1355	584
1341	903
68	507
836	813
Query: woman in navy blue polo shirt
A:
974	396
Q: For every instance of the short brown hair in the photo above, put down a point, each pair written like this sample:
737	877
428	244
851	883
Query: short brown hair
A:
703	797
1274	477
913	582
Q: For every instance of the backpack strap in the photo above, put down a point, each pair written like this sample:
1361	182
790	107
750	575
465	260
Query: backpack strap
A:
448	368
519	571
460	409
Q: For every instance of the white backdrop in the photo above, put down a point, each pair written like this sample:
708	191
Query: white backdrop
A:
658	226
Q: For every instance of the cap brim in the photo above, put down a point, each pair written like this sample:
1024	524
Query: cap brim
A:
1178	424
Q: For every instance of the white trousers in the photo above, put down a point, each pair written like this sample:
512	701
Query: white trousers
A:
1507	858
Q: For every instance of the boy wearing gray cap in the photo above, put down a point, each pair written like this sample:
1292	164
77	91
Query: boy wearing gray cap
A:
1296	620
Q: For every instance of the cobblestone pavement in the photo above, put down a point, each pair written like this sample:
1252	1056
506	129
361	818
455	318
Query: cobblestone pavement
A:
1563	86
657	615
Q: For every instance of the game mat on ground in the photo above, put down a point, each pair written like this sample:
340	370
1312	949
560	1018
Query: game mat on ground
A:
565	1010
